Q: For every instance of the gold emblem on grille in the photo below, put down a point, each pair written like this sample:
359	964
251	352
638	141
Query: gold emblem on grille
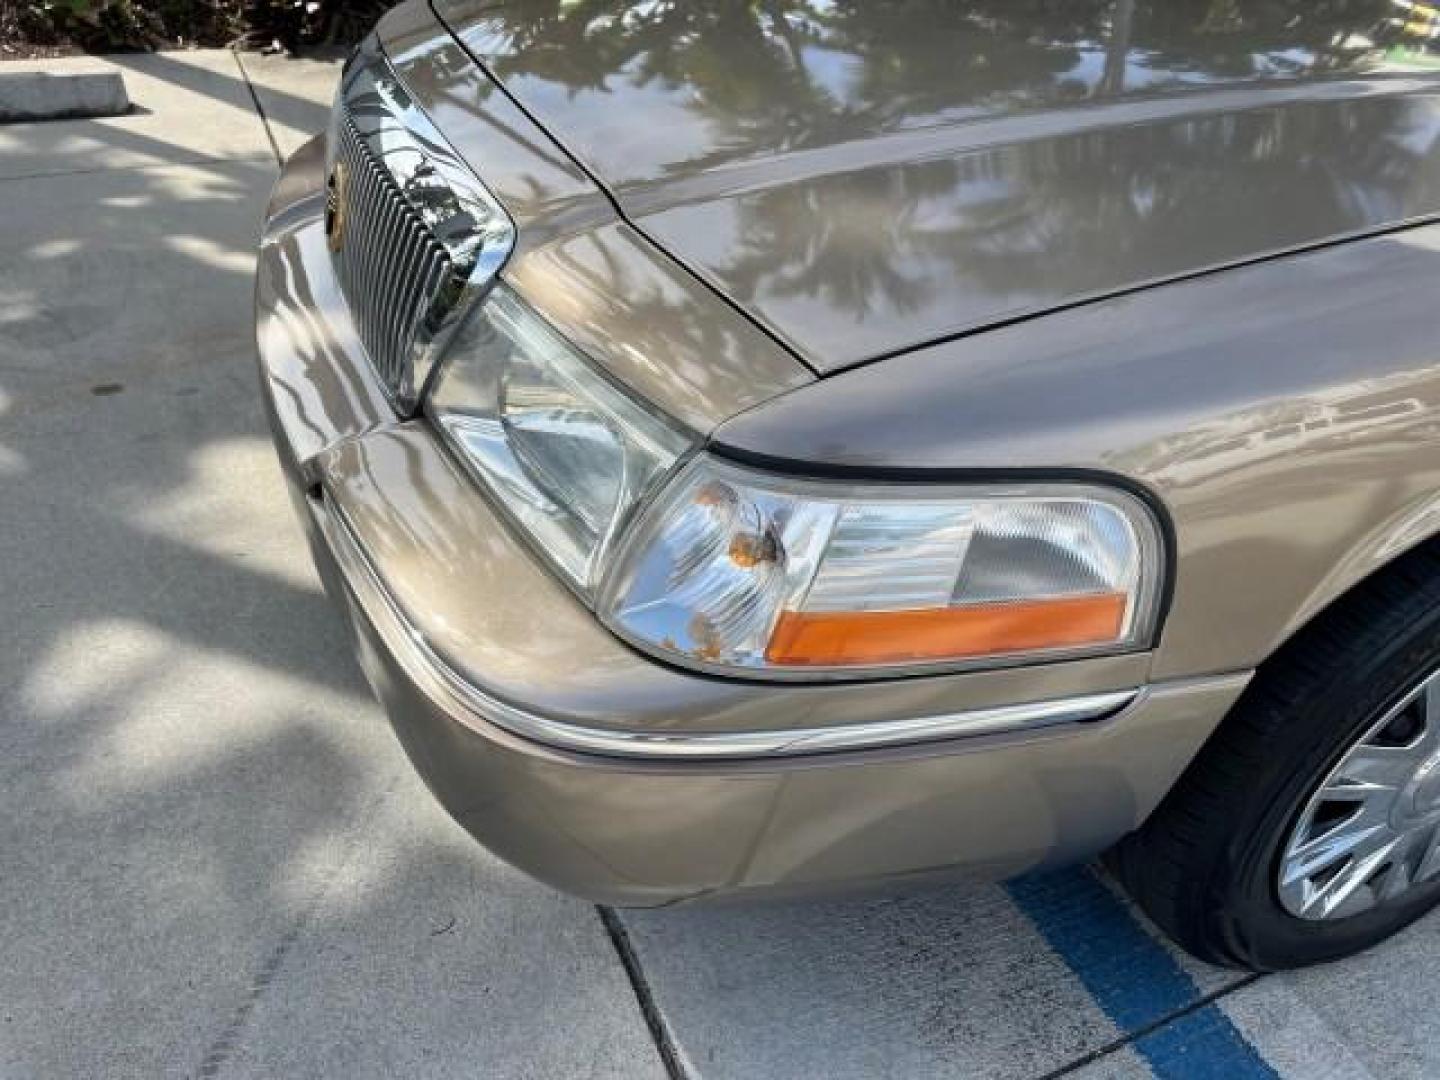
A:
336	194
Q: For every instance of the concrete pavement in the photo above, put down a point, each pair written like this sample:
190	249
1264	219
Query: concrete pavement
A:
214	859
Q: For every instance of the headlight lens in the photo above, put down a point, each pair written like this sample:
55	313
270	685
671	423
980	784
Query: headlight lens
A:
560	448
733	570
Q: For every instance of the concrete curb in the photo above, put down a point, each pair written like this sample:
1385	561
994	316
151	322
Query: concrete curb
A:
39	95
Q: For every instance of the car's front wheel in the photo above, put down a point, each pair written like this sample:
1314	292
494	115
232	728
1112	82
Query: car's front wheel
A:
1309	826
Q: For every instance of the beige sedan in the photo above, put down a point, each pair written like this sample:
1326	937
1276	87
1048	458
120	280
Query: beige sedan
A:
782	448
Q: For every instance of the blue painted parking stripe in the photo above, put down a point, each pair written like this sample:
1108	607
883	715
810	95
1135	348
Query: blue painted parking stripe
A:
1133	978
1202	1045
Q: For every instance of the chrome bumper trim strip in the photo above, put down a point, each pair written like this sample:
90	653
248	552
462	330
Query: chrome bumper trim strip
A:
465	700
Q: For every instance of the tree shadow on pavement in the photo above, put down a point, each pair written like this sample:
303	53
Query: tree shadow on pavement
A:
195	785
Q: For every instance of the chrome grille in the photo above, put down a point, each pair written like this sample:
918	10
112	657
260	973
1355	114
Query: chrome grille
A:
391	266
417	238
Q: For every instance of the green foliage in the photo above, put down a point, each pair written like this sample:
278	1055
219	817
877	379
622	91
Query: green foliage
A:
302	25
130	25
119	25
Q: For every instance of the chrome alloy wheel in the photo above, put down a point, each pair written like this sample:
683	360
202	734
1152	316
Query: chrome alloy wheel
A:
1371	831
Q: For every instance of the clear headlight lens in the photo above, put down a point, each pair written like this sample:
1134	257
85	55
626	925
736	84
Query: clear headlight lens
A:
733	570
559	447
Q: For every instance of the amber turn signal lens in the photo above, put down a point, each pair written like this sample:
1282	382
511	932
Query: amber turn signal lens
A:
826	638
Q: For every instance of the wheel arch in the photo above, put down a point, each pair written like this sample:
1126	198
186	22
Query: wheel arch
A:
1412	528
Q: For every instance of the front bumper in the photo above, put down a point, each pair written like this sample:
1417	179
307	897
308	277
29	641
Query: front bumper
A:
611	776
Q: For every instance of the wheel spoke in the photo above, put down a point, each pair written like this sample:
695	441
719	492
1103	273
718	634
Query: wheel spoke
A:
1355	839
1342	894
1397	879
1429	863
1369	773
1404	855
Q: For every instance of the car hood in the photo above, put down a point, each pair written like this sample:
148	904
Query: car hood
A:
862	178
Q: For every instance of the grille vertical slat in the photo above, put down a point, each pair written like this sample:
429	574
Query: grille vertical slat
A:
371	251
391	267
392	306
432	284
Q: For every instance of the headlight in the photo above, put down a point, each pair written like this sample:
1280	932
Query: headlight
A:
561	449
735	571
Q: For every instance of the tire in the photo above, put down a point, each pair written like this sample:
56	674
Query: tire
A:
1206	866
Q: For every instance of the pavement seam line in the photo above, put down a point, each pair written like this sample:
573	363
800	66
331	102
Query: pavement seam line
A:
182	163
259	109
223	1047
645	997
1102	1052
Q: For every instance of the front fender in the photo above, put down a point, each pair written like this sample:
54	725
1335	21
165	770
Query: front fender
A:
1286	414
